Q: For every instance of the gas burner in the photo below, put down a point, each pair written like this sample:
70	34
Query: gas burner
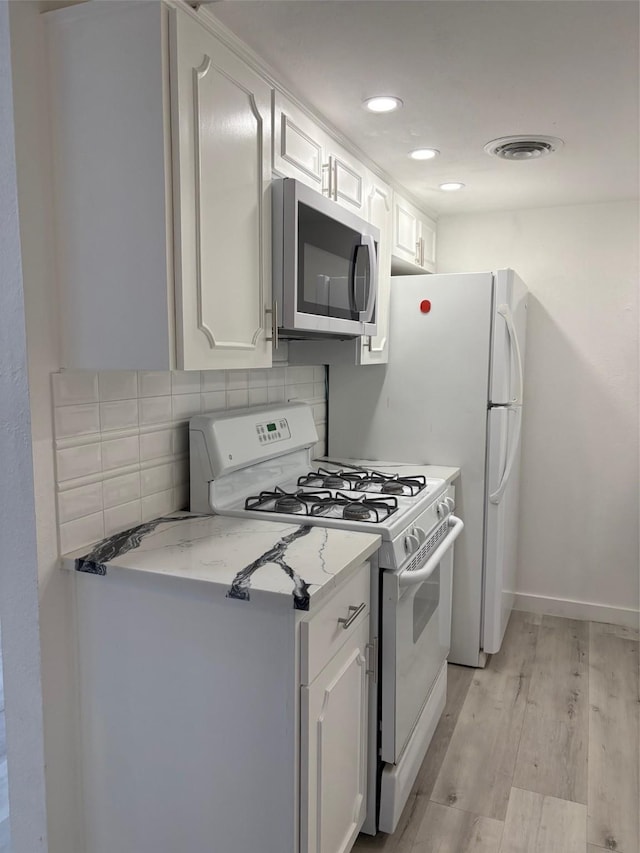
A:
356	512
392	487
328	479
288	503
373	509
293	503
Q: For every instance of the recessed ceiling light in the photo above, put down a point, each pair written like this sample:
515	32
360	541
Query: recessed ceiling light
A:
451	186
424	153
382	104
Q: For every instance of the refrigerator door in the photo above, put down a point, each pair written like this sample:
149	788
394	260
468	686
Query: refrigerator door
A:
508	339
429	406
501	522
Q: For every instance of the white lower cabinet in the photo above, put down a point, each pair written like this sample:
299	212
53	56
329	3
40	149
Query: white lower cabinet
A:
211	725
334	750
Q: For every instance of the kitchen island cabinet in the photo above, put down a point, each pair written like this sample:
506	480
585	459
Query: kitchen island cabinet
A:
226	668
162	164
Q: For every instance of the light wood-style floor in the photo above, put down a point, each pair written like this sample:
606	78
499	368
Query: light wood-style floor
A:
537	753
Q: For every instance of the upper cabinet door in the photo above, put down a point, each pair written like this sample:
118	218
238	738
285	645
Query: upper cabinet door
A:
414	236
297	145
347	179
378	211
221	124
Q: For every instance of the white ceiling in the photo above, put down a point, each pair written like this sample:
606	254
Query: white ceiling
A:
468	72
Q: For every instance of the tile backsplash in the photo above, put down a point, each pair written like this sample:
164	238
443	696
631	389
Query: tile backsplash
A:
122	438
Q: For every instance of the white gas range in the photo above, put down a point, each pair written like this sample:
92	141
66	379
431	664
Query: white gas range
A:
256	462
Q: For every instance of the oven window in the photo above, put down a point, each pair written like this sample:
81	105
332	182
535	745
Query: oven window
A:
425	603
333	269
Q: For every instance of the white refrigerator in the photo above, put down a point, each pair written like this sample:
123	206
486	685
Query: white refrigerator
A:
451	394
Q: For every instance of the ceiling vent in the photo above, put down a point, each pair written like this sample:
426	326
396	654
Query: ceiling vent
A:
523	147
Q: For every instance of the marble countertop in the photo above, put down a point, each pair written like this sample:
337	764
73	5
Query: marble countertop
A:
249	559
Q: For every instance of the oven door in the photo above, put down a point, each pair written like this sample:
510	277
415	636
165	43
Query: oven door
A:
416	635
330	261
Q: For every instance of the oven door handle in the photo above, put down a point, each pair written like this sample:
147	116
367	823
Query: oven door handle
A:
407	578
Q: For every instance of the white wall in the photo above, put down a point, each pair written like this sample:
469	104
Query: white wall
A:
18	571
55	587
579	488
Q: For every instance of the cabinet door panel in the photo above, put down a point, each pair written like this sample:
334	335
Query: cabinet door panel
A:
297	149
428	234
221	112
348	184
334	750
405	232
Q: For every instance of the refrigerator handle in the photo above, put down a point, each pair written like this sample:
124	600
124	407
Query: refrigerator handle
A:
496	497
505	313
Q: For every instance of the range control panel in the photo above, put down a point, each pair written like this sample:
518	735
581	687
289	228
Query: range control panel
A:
270	431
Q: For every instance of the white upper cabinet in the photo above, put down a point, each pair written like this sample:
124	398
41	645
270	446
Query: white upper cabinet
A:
303	150
414	237
162	141
221	120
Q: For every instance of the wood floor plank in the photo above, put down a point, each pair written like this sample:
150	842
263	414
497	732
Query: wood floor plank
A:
401	841
539	824
614	741
552	756
477	772
447	830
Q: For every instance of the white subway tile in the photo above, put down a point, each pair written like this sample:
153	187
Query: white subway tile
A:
154	445
214	380
318	450
154	383
81	533
276	376
214	401
237	397
118	384
321	429
157	479
258	378
257	396
185	382
237	380
76	503
181	497
121	490
119	414
155	410
74	386
185	406
276	395
181	472
76	420
319	390
180	439
303	391
122	517
119	452
319	373
320	413
157	505
295	375
78	461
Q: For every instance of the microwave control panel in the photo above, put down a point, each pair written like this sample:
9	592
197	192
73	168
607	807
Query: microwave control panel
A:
271	431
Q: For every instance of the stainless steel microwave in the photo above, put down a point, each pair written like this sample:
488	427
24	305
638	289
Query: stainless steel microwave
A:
325	265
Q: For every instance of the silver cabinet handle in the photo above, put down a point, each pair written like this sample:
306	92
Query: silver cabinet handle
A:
274	325
328	191
418	251
422	251
355	612
373	649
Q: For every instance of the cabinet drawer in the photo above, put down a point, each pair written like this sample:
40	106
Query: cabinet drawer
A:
323	635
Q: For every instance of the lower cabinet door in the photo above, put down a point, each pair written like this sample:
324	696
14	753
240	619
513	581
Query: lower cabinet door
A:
334	750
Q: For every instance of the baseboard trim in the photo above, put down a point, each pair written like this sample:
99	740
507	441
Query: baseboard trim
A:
586	611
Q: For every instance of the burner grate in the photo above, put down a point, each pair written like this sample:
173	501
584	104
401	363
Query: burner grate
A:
292	503
374	509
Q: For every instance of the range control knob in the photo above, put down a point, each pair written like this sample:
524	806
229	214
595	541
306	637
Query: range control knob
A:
411	543
442	509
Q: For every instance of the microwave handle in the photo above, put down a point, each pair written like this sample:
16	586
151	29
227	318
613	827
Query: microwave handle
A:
367	315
